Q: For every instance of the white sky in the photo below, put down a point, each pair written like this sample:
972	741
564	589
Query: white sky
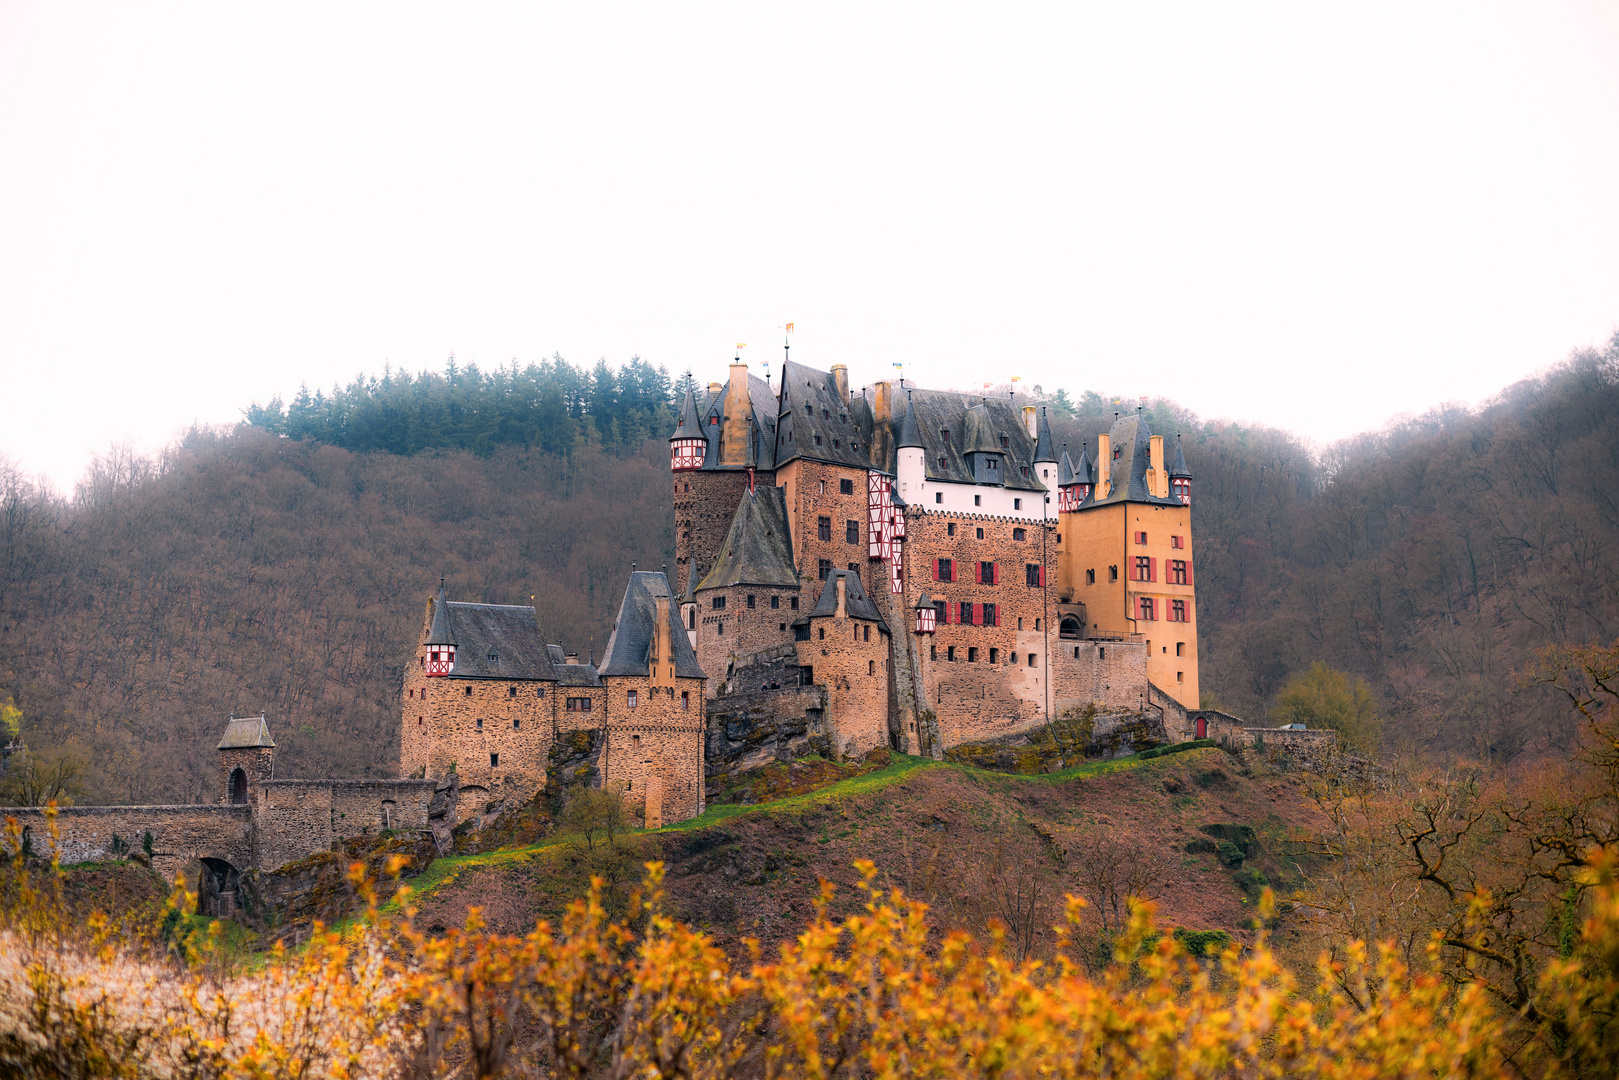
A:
1307	215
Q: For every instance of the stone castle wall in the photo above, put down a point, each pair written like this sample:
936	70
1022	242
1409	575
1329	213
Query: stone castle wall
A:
180	834
657	744
704	503
735	629
849	657
460	723
814	490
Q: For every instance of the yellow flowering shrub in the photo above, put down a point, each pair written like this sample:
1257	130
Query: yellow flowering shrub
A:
877	994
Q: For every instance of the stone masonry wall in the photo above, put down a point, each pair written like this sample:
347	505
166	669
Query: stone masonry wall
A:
460	723
737	629
977	682
656	738
849	657
179	833
1112	674
257	762
374	805
293	818
814	490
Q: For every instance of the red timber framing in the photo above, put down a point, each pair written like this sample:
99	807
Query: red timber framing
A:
885	528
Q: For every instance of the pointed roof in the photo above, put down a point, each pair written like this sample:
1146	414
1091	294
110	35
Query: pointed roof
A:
980	436
1065	470
690	423
1084	472
938	412
856	603
690	593
910	434
1179	468
757	549
440	634
630	645
1042	439
751	459
246	731
812	408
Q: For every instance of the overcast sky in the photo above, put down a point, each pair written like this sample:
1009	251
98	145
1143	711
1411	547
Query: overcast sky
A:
1307	215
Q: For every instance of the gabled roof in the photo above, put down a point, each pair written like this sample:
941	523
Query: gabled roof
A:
1127	473
244	732
937	411
508	632
811	408
756	549
630	645
1042	439
572	674
689	425
1179	467
856	604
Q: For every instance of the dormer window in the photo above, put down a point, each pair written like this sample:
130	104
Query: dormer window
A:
944	436
1117	450
1005	442
713	421
990	463
494	658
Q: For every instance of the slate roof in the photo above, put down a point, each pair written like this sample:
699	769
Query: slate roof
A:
1042	441
943	410
631	642
856	603
909	433
1065	470
811	406
690	593
1084	472
245	732
762	403
1128	472
980	436
508	631
577	675
756	549
439	632
1179	466
689	425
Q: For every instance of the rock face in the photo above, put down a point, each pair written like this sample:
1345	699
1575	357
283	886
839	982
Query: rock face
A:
1076	735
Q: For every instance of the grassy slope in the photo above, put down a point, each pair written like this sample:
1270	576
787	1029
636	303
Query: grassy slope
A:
931	828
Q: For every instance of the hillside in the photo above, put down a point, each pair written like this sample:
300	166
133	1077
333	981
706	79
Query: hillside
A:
245	571
975	845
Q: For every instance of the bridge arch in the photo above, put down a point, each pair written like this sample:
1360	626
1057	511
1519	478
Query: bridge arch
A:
219	889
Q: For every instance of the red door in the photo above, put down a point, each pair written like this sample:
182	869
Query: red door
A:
1202	727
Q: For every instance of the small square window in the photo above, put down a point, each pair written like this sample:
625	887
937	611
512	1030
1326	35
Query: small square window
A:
950	529
511	691
938	496
494	760
480	723
750	600
978	500
1020	534
517	725
972	654
1090	577
792	603
950	653
980	532
1017	504
775	601
633	699
845	487
1033	659
994	655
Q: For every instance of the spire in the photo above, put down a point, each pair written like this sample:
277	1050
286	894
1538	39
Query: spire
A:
689	596
910	432
1178	470
1065	469
751	460
690	424
440	632
1042	439
1085	472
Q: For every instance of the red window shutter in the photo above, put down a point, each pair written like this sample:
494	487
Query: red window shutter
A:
1152	569
995	579
1131	567
978	573
997	614
935	569
1042	577
1188	571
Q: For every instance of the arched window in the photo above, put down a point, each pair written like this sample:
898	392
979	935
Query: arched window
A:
1069	628
238	786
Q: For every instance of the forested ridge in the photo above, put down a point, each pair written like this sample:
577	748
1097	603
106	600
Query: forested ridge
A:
283	565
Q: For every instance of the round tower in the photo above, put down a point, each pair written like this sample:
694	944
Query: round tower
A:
687	446
440	643
1180	479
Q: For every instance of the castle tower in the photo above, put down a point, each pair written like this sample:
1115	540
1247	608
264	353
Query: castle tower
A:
654	715
1180	479
749	597
687	446
845	649
439	651
246	758
1045	460
1126	553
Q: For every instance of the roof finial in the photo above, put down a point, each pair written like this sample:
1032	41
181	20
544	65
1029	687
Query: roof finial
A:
592	650
633	566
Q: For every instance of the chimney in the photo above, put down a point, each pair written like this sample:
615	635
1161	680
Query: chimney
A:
1104	466
1155	460
714	389
843	597
571	658
734	424
840	375
882	438
1029	421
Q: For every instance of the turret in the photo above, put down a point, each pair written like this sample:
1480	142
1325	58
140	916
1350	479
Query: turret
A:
688	444
1084	476
1043	451
440	643
910	456
246	758
1180	480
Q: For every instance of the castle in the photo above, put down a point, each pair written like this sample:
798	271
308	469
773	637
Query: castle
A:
887	567
881	567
